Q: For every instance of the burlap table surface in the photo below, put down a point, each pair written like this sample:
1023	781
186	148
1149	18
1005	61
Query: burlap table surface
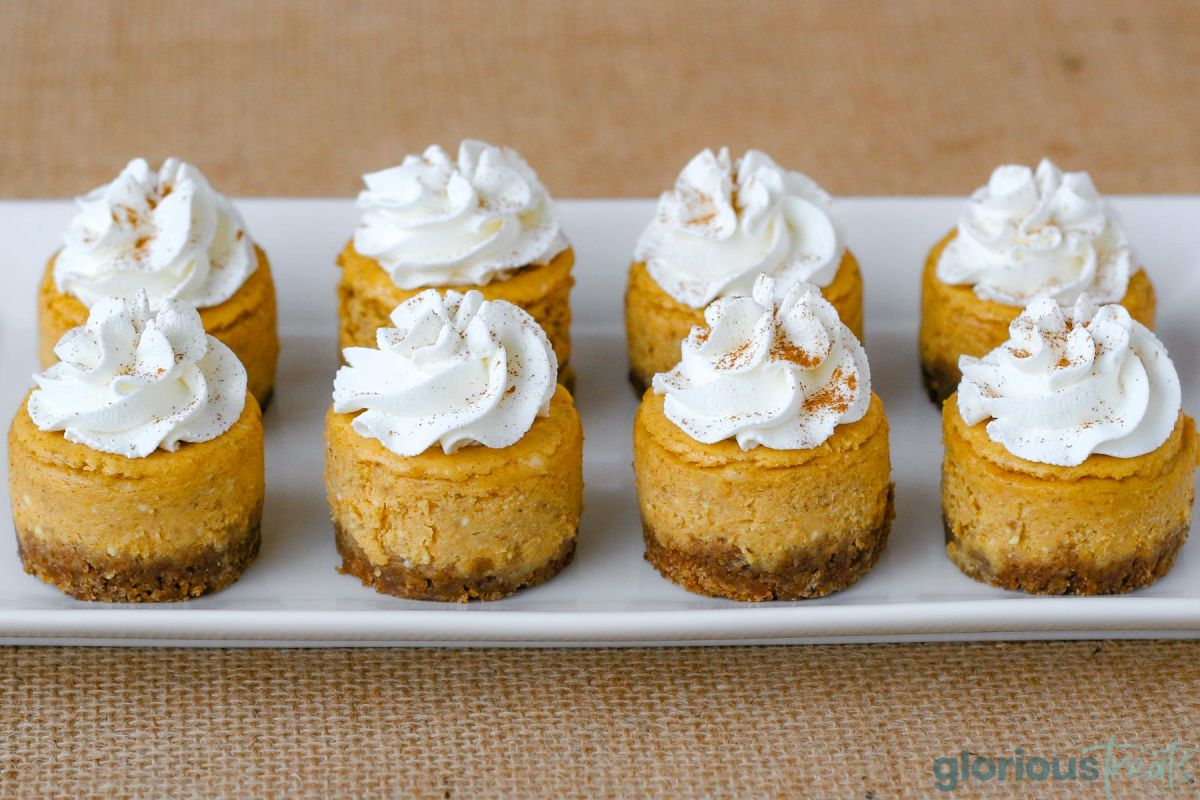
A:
609	99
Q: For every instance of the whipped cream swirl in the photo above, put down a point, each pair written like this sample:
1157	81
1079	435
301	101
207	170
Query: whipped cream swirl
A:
456	370
724	223
168	234
434	221
771	370
1038	234
131	381
1069	384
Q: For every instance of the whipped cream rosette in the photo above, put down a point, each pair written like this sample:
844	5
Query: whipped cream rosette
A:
455	369
1030	234
133	380
725	222
166	233
774	368
435	221
1072	383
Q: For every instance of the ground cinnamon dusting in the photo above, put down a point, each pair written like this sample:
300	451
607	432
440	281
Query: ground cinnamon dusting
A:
835	396
734	357
784	349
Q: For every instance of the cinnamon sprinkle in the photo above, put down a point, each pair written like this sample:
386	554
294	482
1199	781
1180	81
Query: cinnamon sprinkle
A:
734	358
783	349
835	396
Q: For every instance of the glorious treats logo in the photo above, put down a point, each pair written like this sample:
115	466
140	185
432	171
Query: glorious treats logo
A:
1122	768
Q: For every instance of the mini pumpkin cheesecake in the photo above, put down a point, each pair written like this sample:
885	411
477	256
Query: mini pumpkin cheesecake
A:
483	221
1025	235
172	236
762	460
454	461
136	467
723	224
1069	464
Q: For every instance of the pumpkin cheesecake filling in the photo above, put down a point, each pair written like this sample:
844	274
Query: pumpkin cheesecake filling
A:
136	468
784	494
454	461
788	523
165	527
443	527
1106	526
1069	464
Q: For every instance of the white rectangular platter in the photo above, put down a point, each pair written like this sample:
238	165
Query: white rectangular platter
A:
293	595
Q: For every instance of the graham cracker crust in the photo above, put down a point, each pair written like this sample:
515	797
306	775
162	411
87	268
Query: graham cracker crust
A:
90	575
722	572
441	584
939	383
1067	575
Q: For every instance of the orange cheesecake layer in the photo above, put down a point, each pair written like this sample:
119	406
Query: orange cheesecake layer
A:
1107	525
164	527
476	524
763	524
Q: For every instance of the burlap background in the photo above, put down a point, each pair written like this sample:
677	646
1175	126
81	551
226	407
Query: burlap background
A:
606	99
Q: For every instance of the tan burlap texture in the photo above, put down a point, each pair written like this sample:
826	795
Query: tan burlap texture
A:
276	98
